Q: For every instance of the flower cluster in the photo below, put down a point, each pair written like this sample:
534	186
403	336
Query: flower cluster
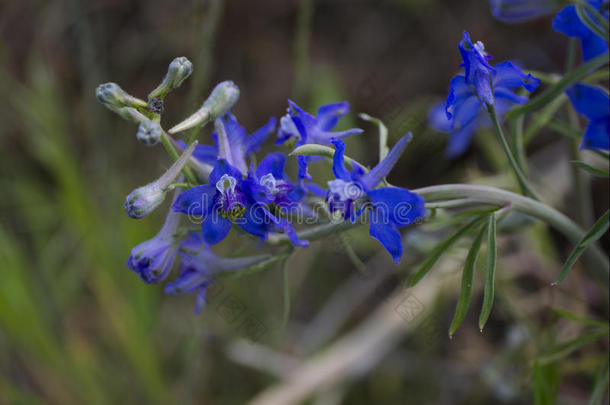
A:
480	87
220	187
584	22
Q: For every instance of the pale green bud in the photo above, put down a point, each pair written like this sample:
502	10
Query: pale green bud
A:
149	132
178	71
222	98
114	97
143	200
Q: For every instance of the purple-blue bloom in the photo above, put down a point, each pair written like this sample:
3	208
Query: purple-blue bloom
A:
222	203
199	268
242	145
152	260
594	103
389	207
567	22
302	128
516	11
481	83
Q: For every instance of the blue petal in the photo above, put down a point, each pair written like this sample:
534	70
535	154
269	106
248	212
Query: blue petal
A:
235	132
593	46
195	201
597	135
437	118
389	237
255	221
516	11
459	141
223	167
325	138
459	91
214	227
482	86
509	95
303	162
383	168
510	76
291	233
590	101
567	22
273	163
397	206
328	115
339	168
314	189
254	141
203	153
188	281
466	112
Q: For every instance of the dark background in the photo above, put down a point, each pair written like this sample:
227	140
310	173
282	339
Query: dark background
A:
77	327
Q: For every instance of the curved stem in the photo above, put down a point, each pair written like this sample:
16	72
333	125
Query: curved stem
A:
519	203
484	195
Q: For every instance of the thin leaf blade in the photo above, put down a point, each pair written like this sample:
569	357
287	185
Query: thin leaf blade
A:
467	279
490	263
597	230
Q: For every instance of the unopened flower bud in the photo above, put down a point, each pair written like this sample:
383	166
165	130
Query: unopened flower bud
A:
114	97
143	200
131	114
149	132
222	98
178	71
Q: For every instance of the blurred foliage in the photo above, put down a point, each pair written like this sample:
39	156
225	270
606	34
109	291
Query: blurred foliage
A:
77	327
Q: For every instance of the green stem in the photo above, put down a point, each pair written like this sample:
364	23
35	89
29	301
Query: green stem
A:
525	186
190	177
483	195
516	130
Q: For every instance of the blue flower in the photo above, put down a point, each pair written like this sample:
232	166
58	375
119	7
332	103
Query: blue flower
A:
516	11
468	92
269	186
302	128
200	267
389	208
567	22
152	260
593	103
241	145
221	204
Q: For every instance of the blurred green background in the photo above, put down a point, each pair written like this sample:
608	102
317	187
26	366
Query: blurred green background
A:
77	327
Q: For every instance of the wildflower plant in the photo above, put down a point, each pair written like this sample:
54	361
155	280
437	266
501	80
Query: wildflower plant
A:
223	184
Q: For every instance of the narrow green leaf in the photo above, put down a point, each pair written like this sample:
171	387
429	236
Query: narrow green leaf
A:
440	249
557	89
580	318
351	253
565	349
597	230
601	384
586	19
383	134
545	383
467	279
492	255
311	149
591	169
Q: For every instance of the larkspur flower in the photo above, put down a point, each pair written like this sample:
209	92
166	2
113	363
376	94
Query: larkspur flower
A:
567	22
516	11
200	267
152	260
300	127
594	103
222	203
481	85
269	186
389	208
241	144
